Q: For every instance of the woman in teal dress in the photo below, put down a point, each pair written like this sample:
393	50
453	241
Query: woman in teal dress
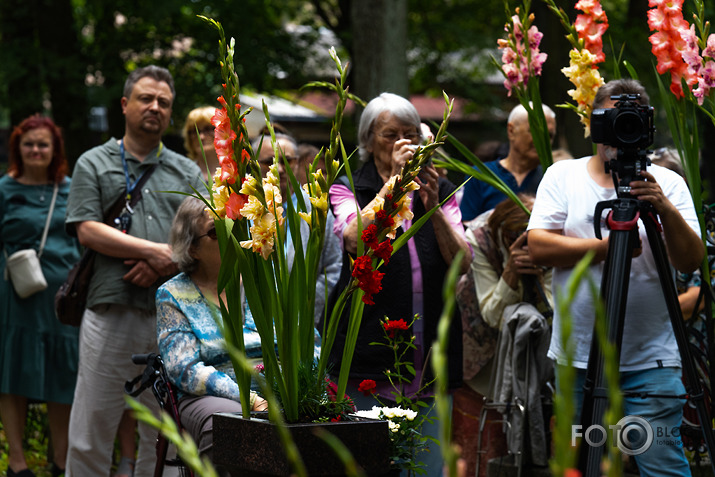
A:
38	354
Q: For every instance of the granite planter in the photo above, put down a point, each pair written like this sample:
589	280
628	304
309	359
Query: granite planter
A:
251	447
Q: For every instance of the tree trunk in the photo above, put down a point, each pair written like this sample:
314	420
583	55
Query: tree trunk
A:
379	47
65	73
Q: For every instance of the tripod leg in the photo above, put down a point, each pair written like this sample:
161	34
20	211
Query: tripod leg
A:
692	381
614	289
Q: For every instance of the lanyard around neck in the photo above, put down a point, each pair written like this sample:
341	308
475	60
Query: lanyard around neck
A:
130	185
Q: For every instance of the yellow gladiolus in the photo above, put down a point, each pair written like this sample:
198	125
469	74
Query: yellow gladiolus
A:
262	235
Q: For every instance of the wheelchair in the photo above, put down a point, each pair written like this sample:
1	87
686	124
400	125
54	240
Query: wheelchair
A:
155	377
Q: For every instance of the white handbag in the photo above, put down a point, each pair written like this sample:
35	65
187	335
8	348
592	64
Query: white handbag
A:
23	267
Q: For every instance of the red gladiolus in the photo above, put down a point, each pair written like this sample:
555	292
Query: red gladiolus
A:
223	134
367	387
383	219
369	236
591	25
393	325
362	266
223	139
369	281
234	205
228	169
666	20
383	250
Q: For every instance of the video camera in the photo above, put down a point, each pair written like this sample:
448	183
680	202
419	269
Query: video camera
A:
629	128
628	125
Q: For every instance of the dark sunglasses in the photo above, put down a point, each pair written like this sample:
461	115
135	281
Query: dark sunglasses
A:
210	234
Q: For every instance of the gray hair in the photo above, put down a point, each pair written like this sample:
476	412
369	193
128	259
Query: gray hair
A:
519	112
668	158
152	71
396	105
618	87
185	232
259	140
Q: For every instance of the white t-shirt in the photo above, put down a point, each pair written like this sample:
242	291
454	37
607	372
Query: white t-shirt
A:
566	200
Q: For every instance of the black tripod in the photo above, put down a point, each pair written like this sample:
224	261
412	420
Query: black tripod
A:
622	221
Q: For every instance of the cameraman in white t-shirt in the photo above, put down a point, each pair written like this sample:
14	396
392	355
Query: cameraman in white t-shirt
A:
561	232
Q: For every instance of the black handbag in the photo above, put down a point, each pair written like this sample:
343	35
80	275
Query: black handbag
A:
71	297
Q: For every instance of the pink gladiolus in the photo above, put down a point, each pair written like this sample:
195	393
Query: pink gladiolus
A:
537	62
518	33
709	50
521	58
690	53
535	37
708	73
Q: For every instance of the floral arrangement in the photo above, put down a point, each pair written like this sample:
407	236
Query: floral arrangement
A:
585	36
521	66
404	420
666	20
252	219
687	53
405	431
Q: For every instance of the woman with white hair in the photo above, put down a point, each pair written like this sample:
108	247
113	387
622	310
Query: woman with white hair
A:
388	132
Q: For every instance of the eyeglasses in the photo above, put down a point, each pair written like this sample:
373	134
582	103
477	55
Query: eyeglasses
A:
269	160
210	233
392	136
209	130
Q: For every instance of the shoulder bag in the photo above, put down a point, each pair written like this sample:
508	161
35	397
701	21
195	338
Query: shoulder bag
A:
71	297
23	267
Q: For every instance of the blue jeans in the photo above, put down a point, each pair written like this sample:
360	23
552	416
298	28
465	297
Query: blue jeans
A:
665	457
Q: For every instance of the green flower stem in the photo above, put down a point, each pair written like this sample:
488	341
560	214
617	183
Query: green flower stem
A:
440	368
185	446
683	124
571	33
564	408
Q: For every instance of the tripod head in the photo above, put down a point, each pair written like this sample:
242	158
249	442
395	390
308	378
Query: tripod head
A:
626	168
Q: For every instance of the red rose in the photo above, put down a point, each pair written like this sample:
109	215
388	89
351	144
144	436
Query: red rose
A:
367	387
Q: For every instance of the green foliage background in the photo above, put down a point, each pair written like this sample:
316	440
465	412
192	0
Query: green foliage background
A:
65	56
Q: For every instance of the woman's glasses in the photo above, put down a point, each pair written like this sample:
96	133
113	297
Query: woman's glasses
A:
210	233
392	136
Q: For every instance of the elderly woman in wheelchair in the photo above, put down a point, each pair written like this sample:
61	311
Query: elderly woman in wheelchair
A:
190	340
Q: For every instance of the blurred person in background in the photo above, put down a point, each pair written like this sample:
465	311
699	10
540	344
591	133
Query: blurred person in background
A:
520	169
200	118
38	354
